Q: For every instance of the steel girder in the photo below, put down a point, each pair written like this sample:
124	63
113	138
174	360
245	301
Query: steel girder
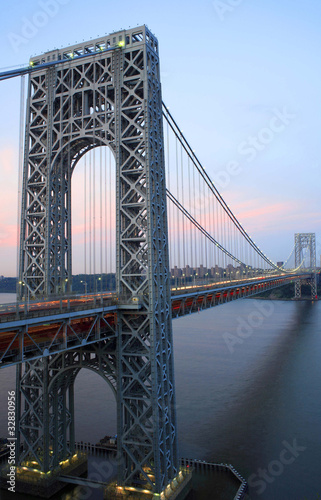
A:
27	335
146	399
28	339
302	241
112	99
199	300
45	411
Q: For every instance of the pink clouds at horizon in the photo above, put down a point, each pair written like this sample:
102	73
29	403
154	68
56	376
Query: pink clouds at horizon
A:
278	215
8	235
257	215
8	209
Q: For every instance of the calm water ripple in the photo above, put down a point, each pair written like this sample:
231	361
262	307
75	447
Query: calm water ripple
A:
248	393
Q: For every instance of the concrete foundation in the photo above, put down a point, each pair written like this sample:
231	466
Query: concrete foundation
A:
33	482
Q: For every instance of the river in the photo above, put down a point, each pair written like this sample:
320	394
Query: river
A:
248	393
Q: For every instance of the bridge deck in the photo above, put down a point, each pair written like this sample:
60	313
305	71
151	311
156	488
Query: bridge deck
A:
36	329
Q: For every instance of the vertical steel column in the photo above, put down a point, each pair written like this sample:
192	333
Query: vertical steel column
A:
298	251
54	425
18	406
313	264
72	417
62	426
33	421
146	401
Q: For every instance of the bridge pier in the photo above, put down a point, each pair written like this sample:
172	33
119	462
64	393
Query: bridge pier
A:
312	282
44	420
305	242
116	102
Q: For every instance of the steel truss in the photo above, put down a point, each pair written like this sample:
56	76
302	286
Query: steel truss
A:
112	99
199	300
45	411
36	336
305	241
66	325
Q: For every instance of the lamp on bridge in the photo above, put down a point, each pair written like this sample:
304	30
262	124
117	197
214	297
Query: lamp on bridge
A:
64	285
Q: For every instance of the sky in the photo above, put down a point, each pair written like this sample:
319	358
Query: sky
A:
241	78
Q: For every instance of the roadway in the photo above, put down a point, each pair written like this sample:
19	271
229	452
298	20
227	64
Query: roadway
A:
29	330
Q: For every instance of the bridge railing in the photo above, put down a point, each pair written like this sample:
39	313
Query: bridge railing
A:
54	306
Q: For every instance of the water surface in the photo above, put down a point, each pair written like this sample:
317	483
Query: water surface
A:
248	393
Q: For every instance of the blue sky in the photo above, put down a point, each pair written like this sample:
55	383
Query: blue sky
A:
230	69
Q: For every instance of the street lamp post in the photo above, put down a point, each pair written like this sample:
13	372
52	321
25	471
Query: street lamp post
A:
85	283
25	296
101	289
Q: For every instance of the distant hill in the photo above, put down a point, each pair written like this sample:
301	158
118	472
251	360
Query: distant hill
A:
80	283
8	285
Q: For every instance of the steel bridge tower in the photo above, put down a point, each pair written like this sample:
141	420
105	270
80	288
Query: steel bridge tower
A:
105	92
304	241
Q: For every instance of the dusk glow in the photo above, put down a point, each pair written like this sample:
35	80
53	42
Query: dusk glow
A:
158	160
243	84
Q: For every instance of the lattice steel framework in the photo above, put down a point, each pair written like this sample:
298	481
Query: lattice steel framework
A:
46	402
107	92
303	241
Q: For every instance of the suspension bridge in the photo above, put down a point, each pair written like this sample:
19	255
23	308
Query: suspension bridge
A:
96	145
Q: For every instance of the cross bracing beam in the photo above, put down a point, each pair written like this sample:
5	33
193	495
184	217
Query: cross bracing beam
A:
42	64
45	410
40	337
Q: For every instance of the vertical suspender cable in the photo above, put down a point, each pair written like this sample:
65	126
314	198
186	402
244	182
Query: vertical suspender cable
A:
207	229
111	245
190	262
178	214
213	232
85	222
201	259
20	166
101	213
168	182
194	228
94	219
183	218
90	218
105	218
94	173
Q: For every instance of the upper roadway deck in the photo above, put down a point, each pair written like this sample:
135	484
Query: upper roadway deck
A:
29	330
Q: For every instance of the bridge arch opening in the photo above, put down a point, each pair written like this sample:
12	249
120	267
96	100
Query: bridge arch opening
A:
82	405
94	406
93	208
